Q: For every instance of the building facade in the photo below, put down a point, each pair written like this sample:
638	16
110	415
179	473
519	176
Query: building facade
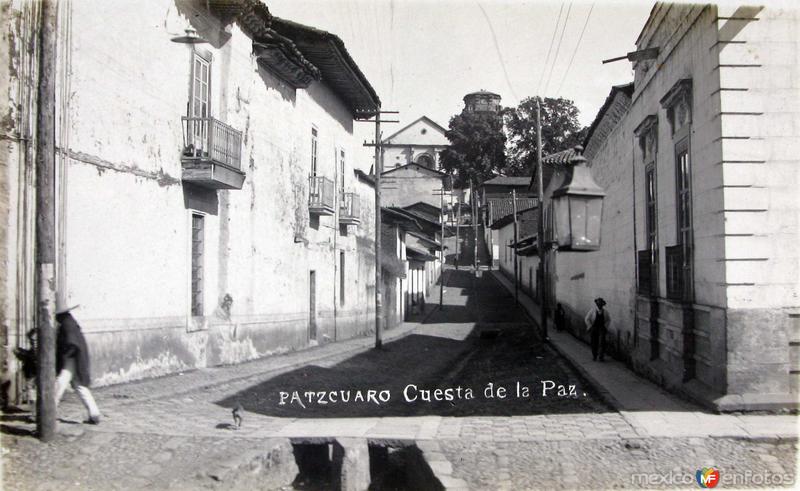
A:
208	208
699	264
419	142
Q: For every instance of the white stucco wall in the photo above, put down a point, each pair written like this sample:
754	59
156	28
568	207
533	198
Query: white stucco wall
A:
128	215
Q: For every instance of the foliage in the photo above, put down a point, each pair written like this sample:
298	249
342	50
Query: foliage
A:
560	131
477	147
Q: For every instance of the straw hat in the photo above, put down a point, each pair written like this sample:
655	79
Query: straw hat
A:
62	308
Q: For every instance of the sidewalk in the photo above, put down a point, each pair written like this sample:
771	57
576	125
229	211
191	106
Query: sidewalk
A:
649	409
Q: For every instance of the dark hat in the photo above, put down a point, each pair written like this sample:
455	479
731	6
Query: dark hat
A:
599	301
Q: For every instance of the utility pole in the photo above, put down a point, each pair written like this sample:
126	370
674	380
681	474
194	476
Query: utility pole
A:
516	238
458	228
45	224
540	243
378	273
475	225
441	271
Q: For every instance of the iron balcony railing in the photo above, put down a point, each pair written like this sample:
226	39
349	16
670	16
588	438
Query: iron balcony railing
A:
320	195
349	209
211	139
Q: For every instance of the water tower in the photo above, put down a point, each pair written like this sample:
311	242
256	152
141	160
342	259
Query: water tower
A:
482	101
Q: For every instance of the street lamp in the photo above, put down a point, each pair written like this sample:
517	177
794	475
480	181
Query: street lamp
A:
578	208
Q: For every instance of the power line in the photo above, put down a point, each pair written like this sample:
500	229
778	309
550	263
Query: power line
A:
572	58
547	59
499	54
558	48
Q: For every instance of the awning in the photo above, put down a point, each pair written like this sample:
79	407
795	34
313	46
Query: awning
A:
419	255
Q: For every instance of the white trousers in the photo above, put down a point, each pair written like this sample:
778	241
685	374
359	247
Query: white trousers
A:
65	379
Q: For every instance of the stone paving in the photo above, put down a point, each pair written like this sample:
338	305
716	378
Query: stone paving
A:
175	432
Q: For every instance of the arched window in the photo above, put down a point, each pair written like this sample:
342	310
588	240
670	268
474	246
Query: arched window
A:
426	160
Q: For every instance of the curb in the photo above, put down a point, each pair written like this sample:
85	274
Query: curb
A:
291	366
604	394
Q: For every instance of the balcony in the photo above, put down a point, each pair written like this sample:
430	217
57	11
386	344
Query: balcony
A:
212	154
678	274
320	196
349	210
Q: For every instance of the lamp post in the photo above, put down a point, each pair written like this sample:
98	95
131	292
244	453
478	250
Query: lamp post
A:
578	208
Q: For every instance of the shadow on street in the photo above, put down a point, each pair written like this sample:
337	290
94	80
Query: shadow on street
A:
479	338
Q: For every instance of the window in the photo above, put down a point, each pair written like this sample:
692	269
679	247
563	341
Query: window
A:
341	174
341	278
647	133
199	105
651	228
684	211
198	232
678	103
313	151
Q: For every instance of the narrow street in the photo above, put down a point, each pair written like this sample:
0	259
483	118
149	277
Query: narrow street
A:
176	432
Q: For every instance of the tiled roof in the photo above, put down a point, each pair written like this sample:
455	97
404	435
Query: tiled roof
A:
596	129
508	181
527	221
551	161
503	207
327	52
559	158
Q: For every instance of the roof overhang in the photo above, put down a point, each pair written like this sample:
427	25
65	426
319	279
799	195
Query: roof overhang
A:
327	52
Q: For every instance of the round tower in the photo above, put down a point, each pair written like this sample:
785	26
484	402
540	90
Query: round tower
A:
482	101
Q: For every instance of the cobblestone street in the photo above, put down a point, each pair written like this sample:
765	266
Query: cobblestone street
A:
175	432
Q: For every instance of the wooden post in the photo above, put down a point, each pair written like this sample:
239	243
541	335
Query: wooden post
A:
45	224
474	225
378	233
443	257
540	243
458	228
516	238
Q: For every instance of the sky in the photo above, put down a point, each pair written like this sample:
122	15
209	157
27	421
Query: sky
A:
423	56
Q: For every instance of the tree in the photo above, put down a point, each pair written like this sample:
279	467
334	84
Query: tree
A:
560	131
477	147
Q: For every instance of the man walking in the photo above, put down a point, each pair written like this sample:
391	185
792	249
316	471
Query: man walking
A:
597	322
72	362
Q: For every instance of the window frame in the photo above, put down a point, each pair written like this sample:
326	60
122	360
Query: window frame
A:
197	270
684	209
314	150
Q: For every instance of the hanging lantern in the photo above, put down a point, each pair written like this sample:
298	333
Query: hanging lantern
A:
578	208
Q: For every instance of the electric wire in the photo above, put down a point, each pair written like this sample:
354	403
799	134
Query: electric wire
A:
547	58
575	51
558	48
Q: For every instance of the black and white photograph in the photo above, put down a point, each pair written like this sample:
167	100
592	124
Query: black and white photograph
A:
399	245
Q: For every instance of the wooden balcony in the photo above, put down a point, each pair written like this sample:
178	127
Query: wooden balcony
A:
212	154
349	209
320	196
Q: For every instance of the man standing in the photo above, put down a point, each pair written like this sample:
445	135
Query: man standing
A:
72	362
597	322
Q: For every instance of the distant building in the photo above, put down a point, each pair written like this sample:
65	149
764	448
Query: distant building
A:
419	142
482	102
